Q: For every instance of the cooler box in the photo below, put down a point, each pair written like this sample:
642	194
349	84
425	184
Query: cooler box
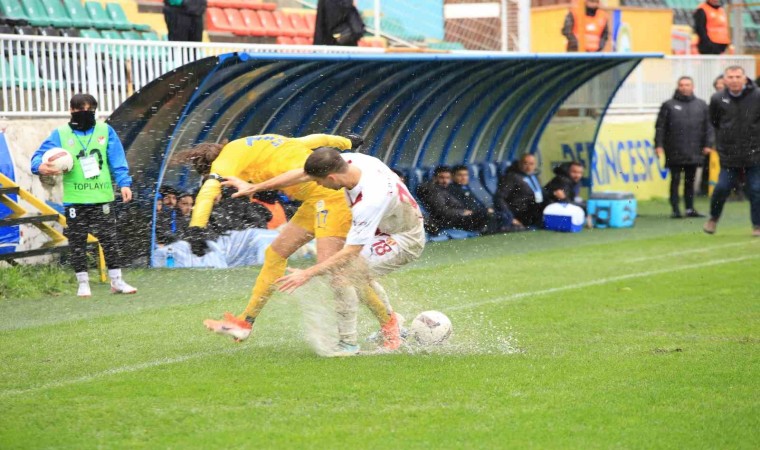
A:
612	209
564	217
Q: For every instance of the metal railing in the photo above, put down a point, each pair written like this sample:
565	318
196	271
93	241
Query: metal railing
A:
38	74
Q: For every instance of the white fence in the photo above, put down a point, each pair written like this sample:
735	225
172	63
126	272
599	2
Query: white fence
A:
39	74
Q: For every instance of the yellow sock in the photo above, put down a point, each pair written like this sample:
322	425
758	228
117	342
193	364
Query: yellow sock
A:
380	308
273	268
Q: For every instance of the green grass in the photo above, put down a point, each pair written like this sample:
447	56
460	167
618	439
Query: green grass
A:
34	281
638	338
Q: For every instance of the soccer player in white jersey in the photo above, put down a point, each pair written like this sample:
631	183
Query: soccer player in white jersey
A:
386	232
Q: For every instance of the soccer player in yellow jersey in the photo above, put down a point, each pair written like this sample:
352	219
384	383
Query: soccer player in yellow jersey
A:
323	215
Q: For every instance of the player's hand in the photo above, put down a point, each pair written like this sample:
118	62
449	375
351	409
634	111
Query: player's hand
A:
706	150
126	194
243	188
660	151
296	279
356	140
49	169
560	194
467	212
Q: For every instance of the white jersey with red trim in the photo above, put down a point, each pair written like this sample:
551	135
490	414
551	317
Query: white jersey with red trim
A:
380	203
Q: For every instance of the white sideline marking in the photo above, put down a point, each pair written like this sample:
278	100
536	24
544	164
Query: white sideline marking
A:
687	252
115	371
601	281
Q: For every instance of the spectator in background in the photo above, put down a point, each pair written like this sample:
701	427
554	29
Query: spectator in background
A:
683	134
565	187
711	25
184	19
520	192
460	189
719	84
338	23
596	29
171	222
735	114
167	197
445	210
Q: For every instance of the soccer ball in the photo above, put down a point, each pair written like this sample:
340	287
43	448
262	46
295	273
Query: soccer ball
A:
430	328
60	158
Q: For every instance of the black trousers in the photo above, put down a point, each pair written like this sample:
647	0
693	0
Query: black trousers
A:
690	173
183	27
98	220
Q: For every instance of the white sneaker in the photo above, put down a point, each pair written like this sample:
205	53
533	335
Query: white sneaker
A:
84	290
120	286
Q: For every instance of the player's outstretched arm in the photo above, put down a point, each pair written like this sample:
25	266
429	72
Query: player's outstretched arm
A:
298	277
290	178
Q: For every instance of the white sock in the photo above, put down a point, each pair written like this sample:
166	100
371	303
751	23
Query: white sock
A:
114	274
83	277
347	307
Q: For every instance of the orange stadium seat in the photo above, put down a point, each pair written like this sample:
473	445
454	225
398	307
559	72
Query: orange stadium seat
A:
216	20
300	40
311	20
300	25
252	21
285	40
269	23
225	4
236	21
284	23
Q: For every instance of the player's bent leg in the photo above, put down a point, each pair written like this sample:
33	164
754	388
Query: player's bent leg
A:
276	256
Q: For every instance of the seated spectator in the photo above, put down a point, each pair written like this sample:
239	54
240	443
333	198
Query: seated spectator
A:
445	210
565	187
171	222
520	192
271	201
460	188
168	197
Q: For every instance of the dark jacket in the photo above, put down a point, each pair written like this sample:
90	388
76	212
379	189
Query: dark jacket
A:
238	214
445	210
705	46
170	224
515	194
683	129
737	126
562	181
465	197
337	17
189	7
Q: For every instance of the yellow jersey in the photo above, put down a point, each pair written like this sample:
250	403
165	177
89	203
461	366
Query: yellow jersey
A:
259	158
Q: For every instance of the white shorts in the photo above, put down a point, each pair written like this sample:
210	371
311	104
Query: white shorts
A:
387	253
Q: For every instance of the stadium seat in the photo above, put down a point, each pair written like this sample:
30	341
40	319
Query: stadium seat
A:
111	34
253	23
98	16
285	40
216	20
77	13
236	22
49	31
27	30
119	17
300	25
12	10
70	32
131	35
56	13
28	74
6	29
90	34
489	174
311	21
477	188
236	4
36	14
284	24
300	40
149	36
269	23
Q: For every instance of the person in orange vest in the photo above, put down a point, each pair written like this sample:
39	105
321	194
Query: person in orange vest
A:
711	25
596	31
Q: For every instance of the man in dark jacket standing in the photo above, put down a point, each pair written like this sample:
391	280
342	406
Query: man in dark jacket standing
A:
521	193
184	19
683	133
338	23
735	114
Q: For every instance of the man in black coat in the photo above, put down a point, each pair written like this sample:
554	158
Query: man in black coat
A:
565	187
460	189
521	193
338	23
735	115
445	210
184	19
684	135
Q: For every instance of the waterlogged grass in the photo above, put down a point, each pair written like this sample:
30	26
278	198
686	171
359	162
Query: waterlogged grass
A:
643	338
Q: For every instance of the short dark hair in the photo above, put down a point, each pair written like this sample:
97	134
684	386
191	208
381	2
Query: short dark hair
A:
718	78
459	167
732	68
323	162
441	169
686	77
185	194
78	101
576	163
